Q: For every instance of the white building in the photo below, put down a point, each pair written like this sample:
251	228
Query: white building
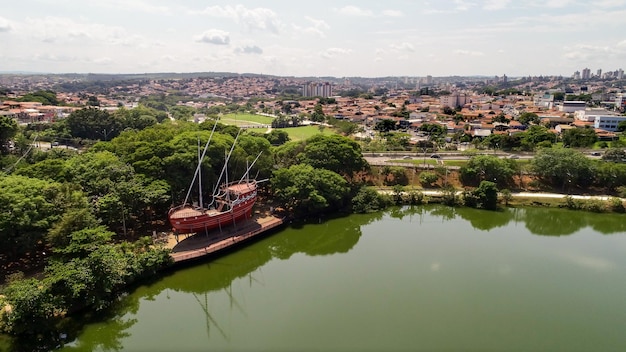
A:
455	99
608	123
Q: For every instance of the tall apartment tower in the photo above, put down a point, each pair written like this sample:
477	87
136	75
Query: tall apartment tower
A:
599	73
586	73
576	75
323	90
620	74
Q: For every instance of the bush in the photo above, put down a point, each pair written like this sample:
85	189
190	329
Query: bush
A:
616	205
416	198
427	178
368	200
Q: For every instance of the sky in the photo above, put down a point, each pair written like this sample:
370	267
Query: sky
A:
336	38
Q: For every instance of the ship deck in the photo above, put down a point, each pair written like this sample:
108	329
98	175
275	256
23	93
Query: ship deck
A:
190	247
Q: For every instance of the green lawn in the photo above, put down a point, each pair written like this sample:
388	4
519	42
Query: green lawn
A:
241	119
417	161
305	132
447	162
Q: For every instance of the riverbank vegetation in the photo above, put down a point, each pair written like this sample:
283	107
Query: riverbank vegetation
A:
83	220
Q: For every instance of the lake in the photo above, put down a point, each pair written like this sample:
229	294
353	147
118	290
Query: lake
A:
411	278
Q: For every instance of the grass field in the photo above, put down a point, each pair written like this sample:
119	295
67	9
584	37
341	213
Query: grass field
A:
304	132
243	119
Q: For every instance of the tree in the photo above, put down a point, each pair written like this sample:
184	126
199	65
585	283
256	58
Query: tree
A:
385	125
28	208
528	118
579	137
45	97
563	168
318	113
277	137
8	130
91	123
616	155
485	196
621	126
32	308
488	168
368	200
335	153
308	190
448	110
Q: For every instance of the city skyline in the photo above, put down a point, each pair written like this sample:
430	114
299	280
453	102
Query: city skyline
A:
339	38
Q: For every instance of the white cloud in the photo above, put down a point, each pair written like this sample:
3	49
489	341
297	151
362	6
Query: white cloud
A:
253	19
493	5
55	58
556	4
463	5
403	47
5	26
354	11
134	6
334	52
608	3
103	60
585	52
65	30
468	52
317	27
214	36
393	13
249	49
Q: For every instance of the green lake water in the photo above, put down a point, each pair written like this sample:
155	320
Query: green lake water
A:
423	278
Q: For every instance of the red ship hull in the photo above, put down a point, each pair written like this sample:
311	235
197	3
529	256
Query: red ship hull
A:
234	205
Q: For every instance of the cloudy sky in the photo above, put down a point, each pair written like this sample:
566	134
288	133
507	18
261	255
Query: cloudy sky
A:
315	38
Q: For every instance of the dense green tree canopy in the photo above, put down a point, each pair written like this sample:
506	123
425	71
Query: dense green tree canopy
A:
563	168
308	190
527	118
488	168
580	137
92	123
534	135
335	153
46	97
8	129
28	208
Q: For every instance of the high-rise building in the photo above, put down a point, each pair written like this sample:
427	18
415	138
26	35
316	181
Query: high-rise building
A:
323	90
586	73
620	74
576	75
599	73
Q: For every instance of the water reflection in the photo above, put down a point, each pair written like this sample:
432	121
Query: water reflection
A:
215	278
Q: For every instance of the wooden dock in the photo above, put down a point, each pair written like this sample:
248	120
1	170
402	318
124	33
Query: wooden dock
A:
190	247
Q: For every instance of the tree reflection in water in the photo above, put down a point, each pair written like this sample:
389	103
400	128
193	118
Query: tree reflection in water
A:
325	237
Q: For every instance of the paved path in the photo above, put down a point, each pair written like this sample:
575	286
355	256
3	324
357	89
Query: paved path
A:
431	192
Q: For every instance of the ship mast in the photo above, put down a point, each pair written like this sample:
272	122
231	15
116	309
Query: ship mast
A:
197	172
200	203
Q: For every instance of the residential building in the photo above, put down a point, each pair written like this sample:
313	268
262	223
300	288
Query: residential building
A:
324	90
608	122
455	99
573	106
